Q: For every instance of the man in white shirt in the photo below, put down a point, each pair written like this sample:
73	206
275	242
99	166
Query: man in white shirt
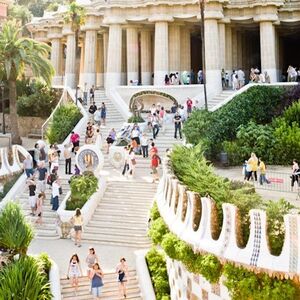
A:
241	77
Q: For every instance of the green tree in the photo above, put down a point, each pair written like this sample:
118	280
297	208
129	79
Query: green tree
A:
15	54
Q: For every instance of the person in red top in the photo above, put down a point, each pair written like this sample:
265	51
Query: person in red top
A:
154	165
74	140
153	150
189	106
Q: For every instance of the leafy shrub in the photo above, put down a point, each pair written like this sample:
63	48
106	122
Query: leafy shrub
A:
11	180
158	230
24	279
82	188
292	113
15	233
154	213
64	120
158	271
36	99
170	243
136	119
243	284
45	262
211	268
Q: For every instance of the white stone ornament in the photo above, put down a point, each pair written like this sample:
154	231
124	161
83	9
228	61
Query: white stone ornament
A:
89	158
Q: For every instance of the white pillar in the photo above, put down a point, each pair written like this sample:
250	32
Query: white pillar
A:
70	76
146	49
105	49
268	49
132	42
222	45
56	60
234	49
174	48
100	62
161	52
185	49
228	51
90	57
124	60
114	56
212	55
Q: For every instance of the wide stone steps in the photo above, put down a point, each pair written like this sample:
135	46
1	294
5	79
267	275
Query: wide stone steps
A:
219	98
109	291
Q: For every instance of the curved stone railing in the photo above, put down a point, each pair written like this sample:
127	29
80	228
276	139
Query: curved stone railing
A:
189	216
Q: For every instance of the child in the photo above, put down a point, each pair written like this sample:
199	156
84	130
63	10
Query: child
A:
155	160
96	277
39	207
74	271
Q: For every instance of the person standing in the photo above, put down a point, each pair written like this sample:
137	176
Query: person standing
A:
67	157
122	271
74	271
77	223
92	94
36	155
126	161
92	108
32	197
132	161
75	138
97	116
154	165
295	173
144	144
39	208
91	259
28	166
42	178
153	150
110	139
96	277
55	193
253	162
85	94
103	114
189	106
155	126
262	175
177	122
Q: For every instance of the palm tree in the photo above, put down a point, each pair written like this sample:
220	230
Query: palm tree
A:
15	54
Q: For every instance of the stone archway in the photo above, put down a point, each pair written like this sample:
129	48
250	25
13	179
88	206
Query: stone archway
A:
137	104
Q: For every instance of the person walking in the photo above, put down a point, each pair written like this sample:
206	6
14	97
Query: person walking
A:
55	193
96	277
110	139
122	271
126	161
155	126
177	121
91	259
32	197
132	161
153	150
295	173
103	114
92	94
74	271
189	106
85	94
155	160
42	177
39	208
75	138
253	162
144	144
97	116
262	175
77	221
92	108
28	166
36	155
67	157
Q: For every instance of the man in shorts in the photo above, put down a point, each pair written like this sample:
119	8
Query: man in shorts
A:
42	177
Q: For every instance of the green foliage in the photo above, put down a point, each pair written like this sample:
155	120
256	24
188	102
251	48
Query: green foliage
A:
292	113
244	284
45	262
15	233
64	120
11	180
158	272
158	230
24	279
82	188
154	213
275	213
170	243
37	100
211	268
136	119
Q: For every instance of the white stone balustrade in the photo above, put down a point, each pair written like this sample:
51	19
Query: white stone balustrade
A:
183	210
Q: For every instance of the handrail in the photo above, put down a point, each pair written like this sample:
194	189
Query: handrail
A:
54	110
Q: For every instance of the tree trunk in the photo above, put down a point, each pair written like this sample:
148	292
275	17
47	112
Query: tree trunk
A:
16	139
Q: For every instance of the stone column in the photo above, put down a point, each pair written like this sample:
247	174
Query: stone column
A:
185	49
114	56
56	59
174	48
228	50
234	49
105	49
161	52
132	42
124	59
146	49
212	54
100	62
267	49
70	76
222	45
80	70
239	50
90	57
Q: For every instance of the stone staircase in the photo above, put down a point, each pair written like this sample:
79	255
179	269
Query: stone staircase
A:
219	98
47	230
121	217
109	291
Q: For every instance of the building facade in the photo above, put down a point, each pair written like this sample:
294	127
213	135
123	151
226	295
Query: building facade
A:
143	40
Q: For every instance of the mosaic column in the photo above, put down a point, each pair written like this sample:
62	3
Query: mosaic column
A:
90	57
146	66
174	48
114	56
185	49
70	76
132	42
161	52
268	49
